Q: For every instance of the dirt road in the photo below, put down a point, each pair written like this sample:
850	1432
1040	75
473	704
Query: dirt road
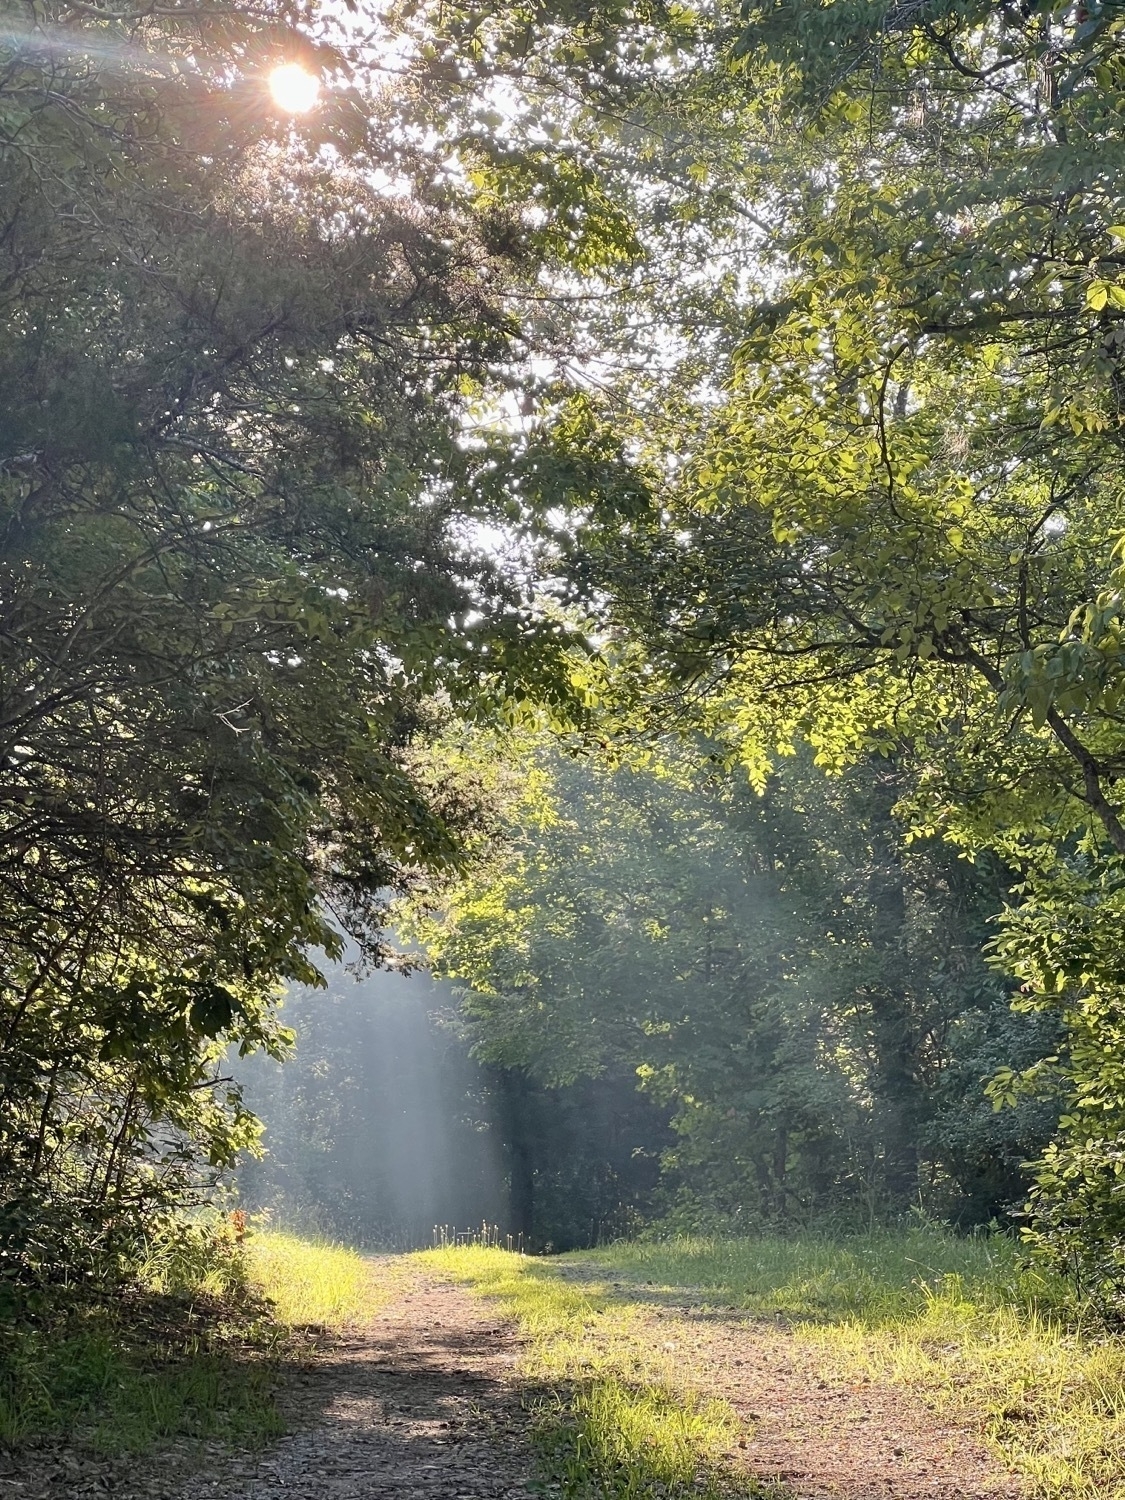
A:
816	1434
423	1405
427	1403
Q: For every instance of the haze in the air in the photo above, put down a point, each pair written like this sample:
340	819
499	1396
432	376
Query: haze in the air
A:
380	1127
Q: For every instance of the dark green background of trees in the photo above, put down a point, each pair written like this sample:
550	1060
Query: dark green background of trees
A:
807	997
685	1002
382	1129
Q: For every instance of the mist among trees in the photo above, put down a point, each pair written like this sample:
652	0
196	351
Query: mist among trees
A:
383	1129
627	496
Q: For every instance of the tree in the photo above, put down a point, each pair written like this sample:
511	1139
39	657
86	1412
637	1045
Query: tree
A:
235	577
381	1127
806	996
890	522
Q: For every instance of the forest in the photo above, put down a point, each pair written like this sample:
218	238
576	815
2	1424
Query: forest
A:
562	652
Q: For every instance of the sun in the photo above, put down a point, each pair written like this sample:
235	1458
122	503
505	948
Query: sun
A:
294	89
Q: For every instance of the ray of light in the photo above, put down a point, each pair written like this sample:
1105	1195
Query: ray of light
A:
61	43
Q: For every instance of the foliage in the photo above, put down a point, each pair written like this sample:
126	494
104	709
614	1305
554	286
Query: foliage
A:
185	1353
377	1127
1063	943
583	1159
380	1126
874	505
776	351
235	573
806	995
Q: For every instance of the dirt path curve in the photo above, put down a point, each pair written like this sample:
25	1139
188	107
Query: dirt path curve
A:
420	1405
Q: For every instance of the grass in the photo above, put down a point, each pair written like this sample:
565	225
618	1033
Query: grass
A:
879	1277
86	1386
962	1322
312	1283
611	1416
198	1350
195	1351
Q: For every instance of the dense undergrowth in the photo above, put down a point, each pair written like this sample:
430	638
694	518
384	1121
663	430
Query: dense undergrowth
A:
961	1321
194	1349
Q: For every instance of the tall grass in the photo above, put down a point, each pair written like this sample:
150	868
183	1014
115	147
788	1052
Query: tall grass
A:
312	1282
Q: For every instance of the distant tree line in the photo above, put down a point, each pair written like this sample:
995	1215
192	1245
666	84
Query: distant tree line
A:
382	1126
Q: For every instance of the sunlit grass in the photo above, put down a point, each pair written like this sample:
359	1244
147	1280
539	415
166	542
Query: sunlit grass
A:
962	1321
617	1422
1050	1397
613	1438
880	1277
313	1282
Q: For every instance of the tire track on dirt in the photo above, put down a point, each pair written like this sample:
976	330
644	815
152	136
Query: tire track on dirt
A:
814	1432
420	1404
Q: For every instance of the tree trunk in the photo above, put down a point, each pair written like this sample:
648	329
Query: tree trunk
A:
517	1125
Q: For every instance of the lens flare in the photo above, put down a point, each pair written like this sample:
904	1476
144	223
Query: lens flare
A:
294	89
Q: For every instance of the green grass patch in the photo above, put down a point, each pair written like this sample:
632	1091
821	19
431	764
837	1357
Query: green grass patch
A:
607	1437
962	1321
195	1350
98	1389
610	1416
313	1282
879	1279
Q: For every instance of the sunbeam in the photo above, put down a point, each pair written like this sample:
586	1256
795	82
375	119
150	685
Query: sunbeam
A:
120	55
